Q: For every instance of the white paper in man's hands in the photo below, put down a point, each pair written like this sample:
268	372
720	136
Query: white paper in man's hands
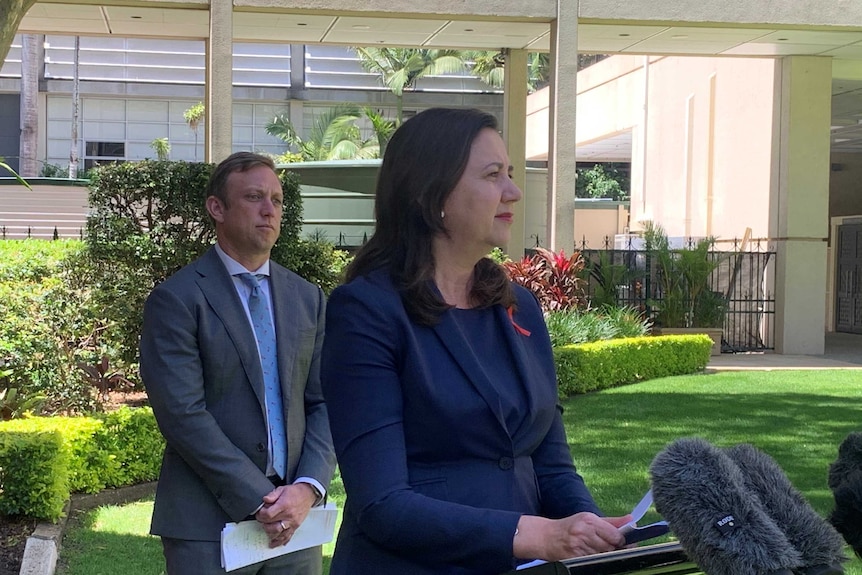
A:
246	542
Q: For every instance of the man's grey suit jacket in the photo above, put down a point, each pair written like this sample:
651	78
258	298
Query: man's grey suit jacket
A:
200	365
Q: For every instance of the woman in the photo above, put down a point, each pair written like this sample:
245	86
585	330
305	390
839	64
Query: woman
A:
439	377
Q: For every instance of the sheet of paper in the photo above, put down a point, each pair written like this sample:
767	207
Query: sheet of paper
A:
632	532
246	542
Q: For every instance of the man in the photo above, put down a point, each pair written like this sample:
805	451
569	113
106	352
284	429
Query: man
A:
230	357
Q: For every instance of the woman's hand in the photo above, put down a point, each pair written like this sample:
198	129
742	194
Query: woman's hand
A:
573	536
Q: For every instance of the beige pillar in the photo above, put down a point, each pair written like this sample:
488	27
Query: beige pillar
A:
561	132
218	143
800	202
515	134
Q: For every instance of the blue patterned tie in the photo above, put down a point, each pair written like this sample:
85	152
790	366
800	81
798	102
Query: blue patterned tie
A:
261	319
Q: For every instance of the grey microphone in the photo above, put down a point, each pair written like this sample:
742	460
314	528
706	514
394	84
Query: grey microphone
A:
723	528
820	546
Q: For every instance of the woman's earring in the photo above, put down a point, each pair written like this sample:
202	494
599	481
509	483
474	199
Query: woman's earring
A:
442	214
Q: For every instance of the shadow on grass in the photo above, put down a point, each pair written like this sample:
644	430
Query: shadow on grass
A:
624	431
89	552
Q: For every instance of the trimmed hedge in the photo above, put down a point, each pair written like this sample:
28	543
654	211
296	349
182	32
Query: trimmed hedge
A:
44	459
33	474
586	367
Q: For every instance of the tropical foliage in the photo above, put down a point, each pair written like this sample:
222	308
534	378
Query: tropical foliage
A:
8	168
555	279
335	134
686	298
399	68
602	181
573	326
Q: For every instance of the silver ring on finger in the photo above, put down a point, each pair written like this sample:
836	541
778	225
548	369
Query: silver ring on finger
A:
283	528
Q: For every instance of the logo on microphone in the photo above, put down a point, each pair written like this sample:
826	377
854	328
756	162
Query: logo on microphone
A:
726	524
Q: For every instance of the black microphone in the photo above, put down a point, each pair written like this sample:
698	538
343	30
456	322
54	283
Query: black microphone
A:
701	493
845	481
849	460
819	545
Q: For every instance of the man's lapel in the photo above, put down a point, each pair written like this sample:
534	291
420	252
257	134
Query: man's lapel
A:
286	303
218	288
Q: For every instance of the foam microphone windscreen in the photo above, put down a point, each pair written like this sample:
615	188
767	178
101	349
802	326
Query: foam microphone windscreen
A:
847	515
845	480
820	546
700	491
849	460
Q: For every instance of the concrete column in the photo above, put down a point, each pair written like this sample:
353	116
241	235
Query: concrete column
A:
218	143
799	206
515	135
561	131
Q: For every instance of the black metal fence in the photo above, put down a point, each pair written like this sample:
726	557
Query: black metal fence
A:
745	279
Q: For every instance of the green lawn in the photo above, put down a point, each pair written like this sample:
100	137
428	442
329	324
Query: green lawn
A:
798	417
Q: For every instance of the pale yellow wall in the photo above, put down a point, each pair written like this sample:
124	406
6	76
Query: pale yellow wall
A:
593	220
707	162
708	147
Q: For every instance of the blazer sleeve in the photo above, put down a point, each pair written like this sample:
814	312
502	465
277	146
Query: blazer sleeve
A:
173	375
318	458
365	331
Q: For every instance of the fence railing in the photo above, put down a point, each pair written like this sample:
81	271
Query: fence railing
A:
745	279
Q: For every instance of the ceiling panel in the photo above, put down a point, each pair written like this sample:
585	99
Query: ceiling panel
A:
541	44
596	39
293	28
488	34
360	31
64	18
812	37
783	49
128	21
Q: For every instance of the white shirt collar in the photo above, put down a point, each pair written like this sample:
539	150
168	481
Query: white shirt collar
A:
235	268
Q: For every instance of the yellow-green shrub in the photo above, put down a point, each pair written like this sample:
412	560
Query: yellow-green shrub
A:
599	365
33	474
63	455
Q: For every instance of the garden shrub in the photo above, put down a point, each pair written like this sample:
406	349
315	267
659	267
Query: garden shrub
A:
554	279
581	326
149	220
582	368
47	327
33	474
44	459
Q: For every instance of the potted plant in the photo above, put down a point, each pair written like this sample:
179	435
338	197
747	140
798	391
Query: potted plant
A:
685	302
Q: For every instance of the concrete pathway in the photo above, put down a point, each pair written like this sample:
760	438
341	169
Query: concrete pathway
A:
843	351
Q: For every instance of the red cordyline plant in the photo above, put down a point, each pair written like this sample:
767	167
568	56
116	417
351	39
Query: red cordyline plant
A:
555	279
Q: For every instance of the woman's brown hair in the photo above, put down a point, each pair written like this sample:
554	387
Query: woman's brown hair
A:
423	162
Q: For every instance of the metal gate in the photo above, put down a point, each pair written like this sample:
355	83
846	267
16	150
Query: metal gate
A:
848	285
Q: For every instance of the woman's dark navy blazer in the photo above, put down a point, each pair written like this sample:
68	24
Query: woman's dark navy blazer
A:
435	482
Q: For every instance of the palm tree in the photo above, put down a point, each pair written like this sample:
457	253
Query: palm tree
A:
162	148
490	68
401	67
8	168
335	135
193	117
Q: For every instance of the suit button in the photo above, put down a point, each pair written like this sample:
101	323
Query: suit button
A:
261	447
505	463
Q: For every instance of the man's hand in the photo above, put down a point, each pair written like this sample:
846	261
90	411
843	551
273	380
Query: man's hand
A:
284	509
